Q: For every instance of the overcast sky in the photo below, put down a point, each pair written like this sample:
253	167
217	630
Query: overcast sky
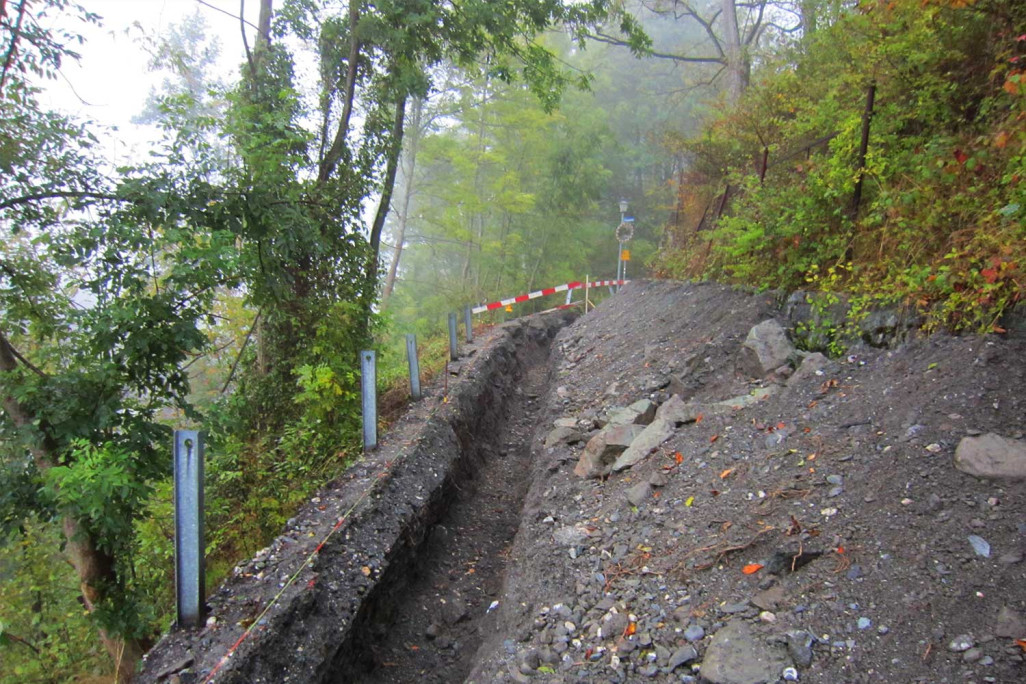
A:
110	83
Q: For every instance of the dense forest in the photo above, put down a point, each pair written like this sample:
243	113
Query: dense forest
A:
372	166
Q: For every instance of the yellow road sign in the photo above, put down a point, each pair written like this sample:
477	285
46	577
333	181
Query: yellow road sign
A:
625	255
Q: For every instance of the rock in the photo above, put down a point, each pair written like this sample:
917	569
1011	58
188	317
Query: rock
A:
650	438
737	655
1009	624
684	654
991	456
645	409
566	422
810	365
980	545
799	647
639	493
528	661
961	643
675	411
623	416
694	633
561	435
765	349
770	599
602	449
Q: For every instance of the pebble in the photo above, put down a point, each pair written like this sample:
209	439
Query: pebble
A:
684	654
972	655
694	633
961	643
864	623
790	674
980	545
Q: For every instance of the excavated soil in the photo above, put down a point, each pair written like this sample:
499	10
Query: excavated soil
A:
820	533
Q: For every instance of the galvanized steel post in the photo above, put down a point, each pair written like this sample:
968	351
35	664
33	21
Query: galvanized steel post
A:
190	563
368	388
411	356
468	324
453	350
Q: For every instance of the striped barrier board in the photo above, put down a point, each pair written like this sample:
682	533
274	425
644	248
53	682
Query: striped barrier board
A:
541	293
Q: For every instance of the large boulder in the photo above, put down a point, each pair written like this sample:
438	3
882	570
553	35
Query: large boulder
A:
992	456
650	438
603	449
765	349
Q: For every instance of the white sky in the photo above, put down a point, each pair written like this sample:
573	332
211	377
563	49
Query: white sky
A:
109	85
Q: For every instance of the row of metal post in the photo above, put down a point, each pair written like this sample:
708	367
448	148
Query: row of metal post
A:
188	473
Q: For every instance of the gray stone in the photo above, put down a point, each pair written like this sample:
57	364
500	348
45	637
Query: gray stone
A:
799	647
1009	624
675	411
645	409
765	349
562	435
810	365
602	449
694	633
649	439
565	422
623	416
737	655
684	654
992	456
639	493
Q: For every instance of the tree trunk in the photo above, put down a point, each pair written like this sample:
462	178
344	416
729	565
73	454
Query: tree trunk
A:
95	568
737	61
334	153
403	214
388	185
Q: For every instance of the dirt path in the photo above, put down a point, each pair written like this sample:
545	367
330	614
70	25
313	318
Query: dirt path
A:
446	611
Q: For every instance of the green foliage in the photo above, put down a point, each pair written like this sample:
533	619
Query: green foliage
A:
939	223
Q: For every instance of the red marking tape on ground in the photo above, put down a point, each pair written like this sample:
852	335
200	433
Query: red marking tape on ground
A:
541	293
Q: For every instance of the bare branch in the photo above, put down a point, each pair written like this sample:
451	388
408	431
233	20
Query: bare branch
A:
611	40
58	194
226	13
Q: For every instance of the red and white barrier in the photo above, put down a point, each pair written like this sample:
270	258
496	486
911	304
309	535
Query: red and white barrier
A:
547	291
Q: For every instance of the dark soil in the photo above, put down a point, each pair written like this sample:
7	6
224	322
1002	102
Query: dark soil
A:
850	472
447	607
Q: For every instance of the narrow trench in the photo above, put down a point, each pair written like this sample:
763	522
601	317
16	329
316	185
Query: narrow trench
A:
440	619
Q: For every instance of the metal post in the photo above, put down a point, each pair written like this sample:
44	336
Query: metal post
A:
468	324
453	351
368	387
411	355
587	284
190	565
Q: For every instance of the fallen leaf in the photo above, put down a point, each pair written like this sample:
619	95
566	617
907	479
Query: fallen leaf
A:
751	568
690	501
1021	643
781	425
678	457
726	473
840	550
631	628
714	492
366	571
699	418
714	438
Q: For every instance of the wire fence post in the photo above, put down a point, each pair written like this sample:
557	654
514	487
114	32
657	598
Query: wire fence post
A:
411	356
468	324
190	565
453	350
368	387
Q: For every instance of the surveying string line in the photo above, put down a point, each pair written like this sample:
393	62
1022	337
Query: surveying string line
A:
542	293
